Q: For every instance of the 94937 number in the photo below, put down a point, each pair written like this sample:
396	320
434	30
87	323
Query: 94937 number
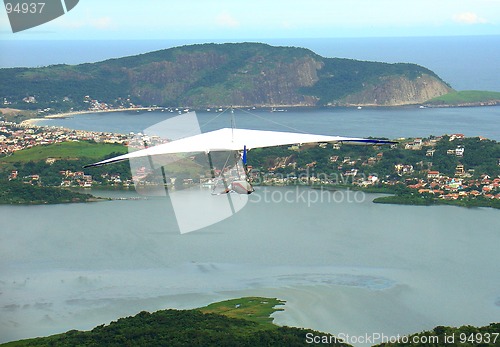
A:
478	338
25	7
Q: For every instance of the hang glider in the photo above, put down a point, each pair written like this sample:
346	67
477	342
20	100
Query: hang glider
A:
233	139
225	158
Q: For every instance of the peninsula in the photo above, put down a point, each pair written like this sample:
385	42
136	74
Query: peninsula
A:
218	75
244	322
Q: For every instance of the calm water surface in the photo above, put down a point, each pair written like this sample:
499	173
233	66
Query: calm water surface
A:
380	122
340	265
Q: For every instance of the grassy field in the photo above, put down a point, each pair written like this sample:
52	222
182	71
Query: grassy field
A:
65	150
93	152
465	97
255	309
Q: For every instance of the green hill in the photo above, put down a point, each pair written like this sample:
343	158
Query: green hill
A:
240	322
240	74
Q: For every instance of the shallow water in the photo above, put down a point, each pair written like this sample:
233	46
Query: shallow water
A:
341	265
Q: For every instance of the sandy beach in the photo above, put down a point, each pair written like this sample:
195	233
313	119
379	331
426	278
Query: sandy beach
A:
34	121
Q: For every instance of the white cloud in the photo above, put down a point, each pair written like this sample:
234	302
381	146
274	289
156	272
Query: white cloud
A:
469	18
226	20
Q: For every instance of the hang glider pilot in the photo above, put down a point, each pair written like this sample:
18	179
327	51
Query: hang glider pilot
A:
240	187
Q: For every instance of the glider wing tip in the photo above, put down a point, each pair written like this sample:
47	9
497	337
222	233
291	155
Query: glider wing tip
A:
91	165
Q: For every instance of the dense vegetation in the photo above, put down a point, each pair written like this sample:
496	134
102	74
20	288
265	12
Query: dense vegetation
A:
240	322
201	75
185	328
412	198
17	193
480	155
465	336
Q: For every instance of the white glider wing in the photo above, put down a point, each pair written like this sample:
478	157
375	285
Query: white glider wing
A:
228	139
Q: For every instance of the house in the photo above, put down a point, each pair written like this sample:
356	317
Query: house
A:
352	172
457	136
432	175
430	152
13	175
459	170
454	184
415	145
403	169
373	178
30	100
459	151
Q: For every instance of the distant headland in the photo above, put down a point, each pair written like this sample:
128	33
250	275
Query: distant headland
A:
219	75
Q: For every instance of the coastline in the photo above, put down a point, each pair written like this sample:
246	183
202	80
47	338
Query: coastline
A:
33	121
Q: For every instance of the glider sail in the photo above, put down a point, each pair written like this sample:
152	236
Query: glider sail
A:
228	139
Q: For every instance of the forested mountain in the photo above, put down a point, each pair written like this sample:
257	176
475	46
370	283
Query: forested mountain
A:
209	75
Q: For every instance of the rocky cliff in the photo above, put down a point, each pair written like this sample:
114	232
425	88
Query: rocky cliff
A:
397	91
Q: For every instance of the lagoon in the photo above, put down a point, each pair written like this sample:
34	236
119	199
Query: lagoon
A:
340	264
392	123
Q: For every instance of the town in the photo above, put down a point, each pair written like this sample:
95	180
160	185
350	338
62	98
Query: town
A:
436	166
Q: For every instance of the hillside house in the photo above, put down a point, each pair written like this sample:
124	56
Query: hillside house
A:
433	175
403	169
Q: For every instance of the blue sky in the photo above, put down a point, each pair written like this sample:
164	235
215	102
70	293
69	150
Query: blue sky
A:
247	19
